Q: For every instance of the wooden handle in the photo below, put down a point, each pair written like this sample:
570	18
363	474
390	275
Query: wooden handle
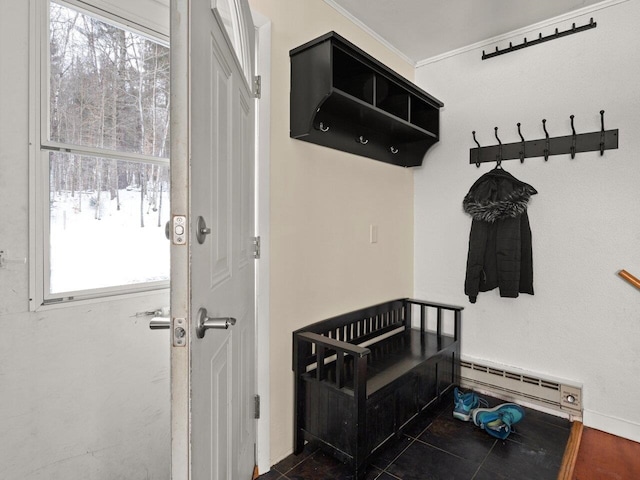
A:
630	278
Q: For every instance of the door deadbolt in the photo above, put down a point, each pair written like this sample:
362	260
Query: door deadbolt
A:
202	230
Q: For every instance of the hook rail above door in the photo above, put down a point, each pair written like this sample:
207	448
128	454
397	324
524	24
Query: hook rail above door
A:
540	39
547	146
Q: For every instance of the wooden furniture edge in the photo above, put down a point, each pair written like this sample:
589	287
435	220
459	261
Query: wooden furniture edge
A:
571	452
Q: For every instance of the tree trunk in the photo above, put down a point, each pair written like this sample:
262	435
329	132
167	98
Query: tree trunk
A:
98	182
142	188
160	207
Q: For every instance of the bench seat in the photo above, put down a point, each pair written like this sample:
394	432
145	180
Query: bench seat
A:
361	377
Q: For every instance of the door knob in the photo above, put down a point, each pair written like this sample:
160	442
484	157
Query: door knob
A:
205	323
202	230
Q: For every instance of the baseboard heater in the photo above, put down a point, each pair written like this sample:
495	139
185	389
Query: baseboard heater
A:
562	398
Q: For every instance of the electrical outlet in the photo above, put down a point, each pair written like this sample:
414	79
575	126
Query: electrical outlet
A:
571	397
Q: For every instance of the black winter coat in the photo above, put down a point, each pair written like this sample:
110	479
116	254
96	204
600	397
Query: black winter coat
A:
500	239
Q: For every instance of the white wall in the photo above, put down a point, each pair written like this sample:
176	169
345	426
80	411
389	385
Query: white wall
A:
84	390
583	323
322	203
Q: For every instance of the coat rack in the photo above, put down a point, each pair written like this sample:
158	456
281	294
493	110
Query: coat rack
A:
545	147
540	39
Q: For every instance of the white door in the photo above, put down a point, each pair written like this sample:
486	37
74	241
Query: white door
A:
212	264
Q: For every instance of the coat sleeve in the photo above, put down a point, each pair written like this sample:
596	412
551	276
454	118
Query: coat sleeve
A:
508	256
475	258
526	261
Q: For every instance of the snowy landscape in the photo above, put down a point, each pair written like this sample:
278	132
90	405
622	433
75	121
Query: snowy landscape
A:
111	250
108	92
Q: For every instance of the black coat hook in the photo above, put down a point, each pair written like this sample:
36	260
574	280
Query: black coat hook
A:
499	156
546	144
478	154
601	132
522	155
573	139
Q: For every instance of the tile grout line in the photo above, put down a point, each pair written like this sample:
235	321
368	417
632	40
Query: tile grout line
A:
440	449
388	473
297	464
413	440
495	442
384	469
403	450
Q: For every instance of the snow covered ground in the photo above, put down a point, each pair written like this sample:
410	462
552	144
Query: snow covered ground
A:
87	253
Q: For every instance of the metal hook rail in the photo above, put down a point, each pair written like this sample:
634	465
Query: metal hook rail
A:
540	39
547	146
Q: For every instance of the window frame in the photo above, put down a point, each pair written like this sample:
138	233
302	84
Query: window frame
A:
40	147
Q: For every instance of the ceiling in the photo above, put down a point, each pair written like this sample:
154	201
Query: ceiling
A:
421	29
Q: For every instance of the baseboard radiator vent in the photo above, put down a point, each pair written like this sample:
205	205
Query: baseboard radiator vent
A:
562	398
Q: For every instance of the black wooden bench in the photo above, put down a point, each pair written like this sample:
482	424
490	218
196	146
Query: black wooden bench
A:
361	377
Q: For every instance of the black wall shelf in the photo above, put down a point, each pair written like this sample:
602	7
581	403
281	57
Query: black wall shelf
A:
343	98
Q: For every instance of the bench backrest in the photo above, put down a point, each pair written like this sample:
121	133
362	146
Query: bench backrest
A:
363	325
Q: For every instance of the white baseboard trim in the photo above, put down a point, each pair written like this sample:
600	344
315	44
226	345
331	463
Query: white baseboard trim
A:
612	425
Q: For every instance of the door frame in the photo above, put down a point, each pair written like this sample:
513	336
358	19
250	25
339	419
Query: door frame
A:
263	146
180	151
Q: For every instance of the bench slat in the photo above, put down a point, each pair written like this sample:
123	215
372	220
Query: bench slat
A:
321	340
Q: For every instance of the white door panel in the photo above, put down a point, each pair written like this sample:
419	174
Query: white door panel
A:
211	159
217	381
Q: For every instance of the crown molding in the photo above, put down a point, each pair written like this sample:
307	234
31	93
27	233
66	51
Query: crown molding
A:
367	29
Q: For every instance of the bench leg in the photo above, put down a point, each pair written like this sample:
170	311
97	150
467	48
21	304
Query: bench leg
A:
360	414
301	350
299	442
298	435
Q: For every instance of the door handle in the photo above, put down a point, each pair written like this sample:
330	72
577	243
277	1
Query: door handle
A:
160	323
205	323
202	230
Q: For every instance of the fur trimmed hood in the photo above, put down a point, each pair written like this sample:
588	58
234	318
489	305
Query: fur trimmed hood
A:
497	195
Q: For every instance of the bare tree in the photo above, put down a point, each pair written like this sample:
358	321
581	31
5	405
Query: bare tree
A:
109	89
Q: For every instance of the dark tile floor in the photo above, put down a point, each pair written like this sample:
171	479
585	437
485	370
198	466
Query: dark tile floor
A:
438	447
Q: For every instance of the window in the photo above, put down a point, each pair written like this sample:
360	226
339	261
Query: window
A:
103	158
231	14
